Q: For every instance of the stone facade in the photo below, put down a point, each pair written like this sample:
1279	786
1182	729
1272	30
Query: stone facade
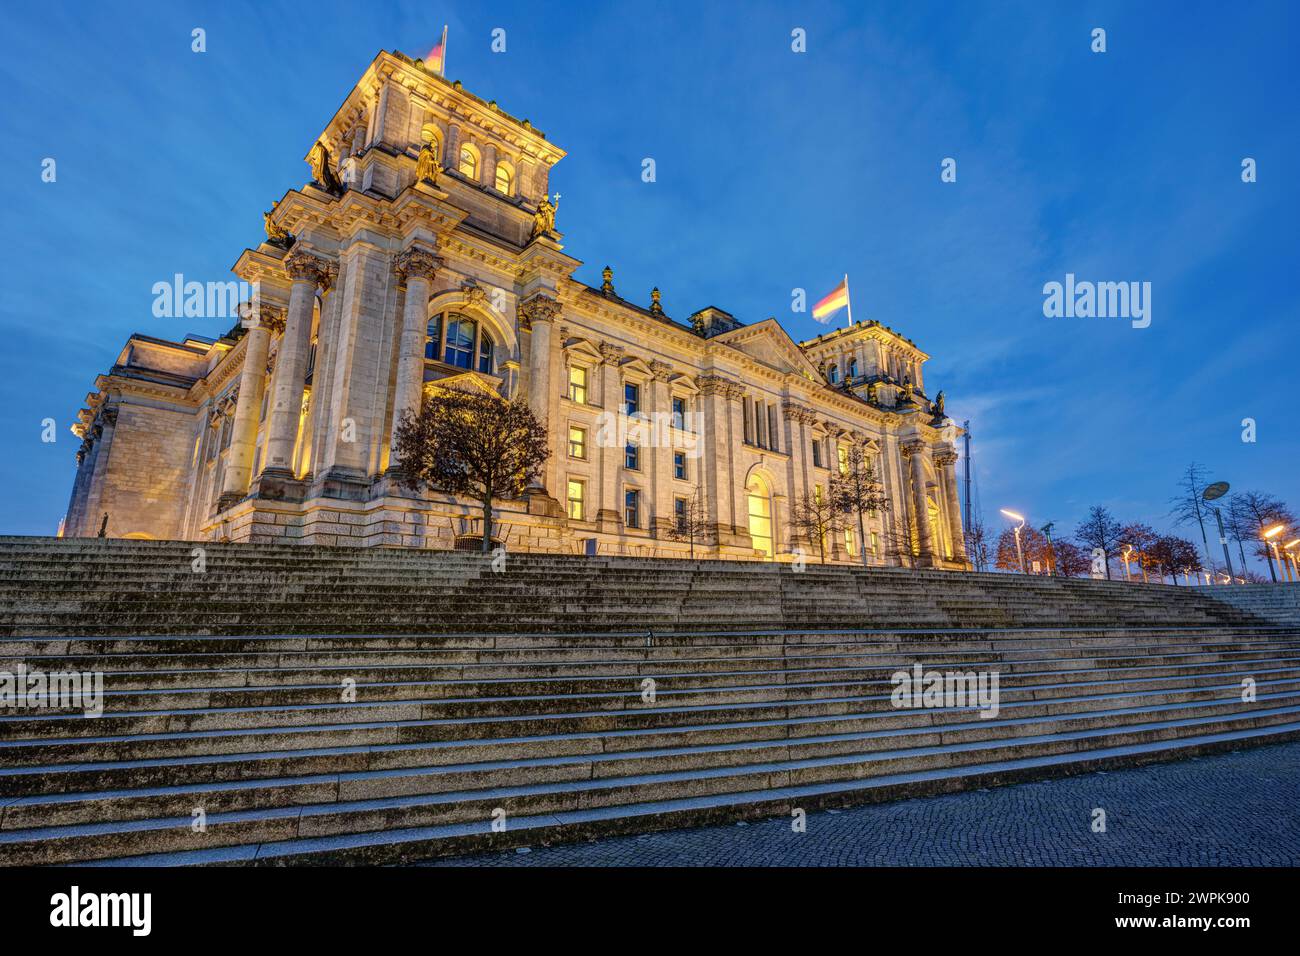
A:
282	430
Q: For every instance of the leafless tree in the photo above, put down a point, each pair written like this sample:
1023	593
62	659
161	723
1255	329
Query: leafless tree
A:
813	518
693	524
1259	512
1099	530
1188	505
474	444
856	492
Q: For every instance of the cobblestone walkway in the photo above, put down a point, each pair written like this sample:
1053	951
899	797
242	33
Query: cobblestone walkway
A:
1234	809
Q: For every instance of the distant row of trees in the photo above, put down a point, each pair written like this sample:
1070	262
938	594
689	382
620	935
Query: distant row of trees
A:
1139	549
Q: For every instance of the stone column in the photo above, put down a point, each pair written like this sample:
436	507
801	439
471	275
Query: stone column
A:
417	266
537	316
912	451
717	495
659	434
264	322
609	515
946	460
307	271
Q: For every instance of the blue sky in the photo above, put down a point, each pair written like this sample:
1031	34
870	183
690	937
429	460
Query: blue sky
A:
775	171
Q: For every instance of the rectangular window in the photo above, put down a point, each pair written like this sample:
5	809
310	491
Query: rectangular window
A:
772	443
631	399
679	465
632	457
875	543
749	422
679	413
817	452
577	442
632	509
760	423
578	384
844	458
679	510
576	489
848	541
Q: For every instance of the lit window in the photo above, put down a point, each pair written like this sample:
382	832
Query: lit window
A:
632	509
575	500
632	457
875	543
504	179
631	399
679	465
848	541
468	162
679	413
577	442
433	339
578	384
460	341
844	459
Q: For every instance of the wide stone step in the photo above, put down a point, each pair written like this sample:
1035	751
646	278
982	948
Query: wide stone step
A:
343	817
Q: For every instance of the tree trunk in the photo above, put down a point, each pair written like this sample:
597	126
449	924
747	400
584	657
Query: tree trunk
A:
487	523
862	539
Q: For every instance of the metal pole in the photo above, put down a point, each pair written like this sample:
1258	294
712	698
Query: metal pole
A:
1223	539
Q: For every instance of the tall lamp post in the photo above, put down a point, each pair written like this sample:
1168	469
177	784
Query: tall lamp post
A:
1125	557
1270	537
1020	552
1294	569
1211	493
1051	548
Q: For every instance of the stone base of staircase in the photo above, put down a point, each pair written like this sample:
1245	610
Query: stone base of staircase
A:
314	705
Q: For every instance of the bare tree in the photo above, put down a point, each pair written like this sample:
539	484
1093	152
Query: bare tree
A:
692	524
1188	505
977	541
475	444
1099	530
856	491
813	517
1259	512
1032	542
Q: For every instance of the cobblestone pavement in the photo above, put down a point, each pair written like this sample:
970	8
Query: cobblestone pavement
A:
1235	809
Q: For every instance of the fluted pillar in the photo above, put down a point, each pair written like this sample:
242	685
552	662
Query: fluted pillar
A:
912	451
307	272
947	460
418	267
538	316
265	321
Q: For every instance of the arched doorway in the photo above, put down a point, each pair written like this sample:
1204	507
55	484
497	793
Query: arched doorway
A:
759	496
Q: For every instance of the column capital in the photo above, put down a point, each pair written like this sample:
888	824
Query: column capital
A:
307	266
263	315
539	308
610	353
913	446
661	371
945	456
416	263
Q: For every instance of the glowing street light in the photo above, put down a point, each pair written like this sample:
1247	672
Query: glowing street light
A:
1294	569
1269	534
1020	552
1126	556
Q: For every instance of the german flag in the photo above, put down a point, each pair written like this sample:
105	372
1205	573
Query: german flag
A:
437	58
838	299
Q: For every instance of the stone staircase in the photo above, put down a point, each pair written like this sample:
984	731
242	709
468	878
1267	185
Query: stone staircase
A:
342	706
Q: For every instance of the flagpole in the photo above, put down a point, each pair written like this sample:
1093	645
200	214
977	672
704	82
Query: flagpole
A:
848	299
444	49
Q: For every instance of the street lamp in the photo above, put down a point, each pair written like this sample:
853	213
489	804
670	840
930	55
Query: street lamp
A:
1294	570
1128	550
1020	552
1268	537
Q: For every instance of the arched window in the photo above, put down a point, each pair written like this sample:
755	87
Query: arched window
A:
760	515
834	374
460	341
433	342
484	353
468	166
505	179
853	368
